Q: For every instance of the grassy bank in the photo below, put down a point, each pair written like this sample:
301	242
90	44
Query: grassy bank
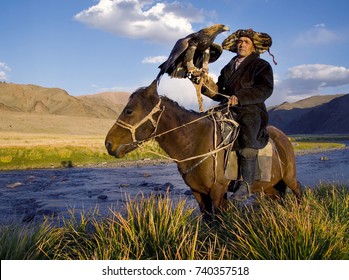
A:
315	143
52	151
155	228
301	146
25	151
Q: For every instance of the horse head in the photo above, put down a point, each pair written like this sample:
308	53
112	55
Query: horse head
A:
136	123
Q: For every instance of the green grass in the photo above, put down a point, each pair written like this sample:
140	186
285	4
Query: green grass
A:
318	142
306	146
158	228
49	156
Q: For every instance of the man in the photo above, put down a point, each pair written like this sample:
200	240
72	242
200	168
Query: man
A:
248	81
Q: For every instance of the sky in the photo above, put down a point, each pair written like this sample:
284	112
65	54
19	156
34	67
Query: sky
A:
92	46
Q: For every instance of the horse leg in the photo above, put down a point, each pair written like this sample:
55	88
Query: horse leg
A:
205	204
218	196
293	184
280	187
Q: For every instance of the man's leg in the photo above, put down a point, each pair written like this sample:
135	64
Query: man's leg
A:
247	165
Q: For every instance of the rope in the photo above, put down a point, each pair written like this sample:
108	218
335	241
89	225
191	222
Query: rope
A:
211	112
189	158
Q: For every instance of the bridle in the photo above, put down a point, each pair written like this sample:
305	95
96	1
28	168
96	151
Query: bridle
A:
149	117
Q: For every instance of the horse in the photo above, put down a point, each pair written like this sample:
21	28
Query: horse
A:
190	138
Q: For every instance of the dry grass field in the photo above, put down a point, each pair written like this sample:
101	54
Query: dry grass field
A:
42	140
20	140
47	124
29	140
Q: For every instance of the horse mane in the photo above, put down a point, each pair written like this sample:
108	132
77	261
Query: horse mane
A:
137	91
175	104
183	113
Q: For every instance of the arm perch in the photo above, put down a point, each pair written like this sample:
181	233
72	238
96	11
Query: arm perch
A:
204	85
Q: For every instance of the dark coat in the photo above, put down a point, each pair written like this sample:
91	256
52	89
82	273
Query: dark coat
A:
252	83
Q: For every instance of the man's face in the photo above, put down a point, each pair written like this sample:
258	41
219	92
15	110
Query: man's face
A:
244	46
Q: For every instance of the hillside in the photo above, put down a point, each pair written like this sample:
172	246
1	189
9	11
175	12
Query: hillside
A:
323	114
41	100
108	104
20	122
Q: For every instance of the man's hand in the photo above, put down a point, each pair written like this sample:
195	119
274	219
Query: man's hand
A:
233	101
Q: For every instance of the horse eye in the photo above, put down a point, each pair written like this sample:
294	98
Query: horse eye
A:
128	111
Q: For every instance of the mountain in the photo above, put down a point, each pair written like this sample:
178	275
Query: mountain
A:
108	104
116	98
36	99
323	114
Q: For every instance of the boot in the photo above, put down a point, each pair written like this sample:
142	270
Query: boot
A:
243	186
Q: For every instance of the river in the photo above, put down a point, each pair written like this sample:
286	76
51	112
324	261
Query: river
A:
28	195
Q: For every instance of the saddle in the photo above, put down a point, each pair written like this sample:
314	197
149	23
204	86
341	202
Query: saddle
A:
230	129
263	164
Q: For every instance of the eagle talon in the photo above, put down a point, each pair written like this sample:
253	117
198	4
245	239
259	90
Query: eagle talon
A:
204	70
194	79
194	72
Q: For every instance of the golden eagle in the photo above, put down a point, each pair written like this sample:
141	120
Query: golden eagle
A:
192	53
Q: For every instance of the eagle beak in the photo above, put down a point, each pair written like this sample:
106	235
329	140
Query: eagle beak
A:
226	28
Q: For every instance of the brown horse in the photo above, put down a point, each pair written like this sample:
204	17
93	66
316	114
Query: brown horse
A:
188	137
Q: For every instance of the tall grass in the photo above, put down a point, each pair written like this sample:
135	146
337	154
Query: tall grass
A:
316	229
157	228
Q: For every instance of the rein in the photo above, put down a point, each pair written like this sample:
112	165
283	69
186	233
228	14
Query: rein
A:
150	117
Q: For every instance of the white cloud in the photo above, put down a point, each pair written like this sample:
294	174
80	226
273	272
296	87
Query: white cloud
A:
183	92
154	59
320	25
321	75
3	76
4	69
4	66
142	19
310	79
318	35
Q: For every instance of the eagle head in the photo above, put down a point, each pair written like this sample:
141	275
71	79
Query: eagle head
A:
216	29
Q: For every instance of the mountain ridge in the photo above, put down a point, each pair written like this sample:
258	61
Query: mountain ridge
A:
36	99
320	114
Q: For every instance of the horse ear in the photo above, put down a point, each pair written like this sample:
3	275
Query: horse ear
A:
154	86
153	89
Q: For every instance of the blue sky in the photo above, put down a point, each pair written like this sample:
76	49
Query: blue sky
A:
90	46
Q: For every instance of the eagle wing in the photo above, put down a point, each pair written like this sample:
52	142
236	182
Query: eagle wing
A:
173	63
215	52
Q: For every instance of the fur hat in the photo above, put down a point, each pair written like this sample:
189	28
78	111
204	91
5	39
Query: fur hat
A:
261	41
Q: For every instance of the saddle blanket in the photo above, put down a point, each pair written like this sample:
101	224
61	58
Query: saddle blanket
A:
263	166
